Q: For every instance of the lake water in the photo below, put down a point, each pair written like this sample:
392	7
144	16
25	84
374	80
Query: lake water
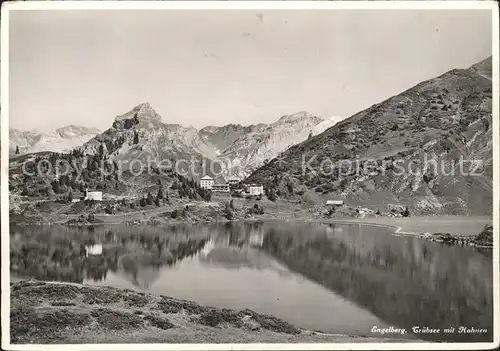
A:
326	277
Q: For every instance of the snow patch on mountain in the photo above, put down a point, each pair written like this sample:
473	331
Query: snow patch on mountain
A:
61	140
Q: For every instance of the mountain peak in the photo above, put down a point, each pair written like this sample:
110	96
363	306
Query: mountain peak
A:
299	116
74	130
143	111
145	106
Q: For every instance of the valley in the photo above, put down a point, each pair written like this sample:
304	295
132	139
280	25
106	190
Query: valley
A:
426	151
187	175
383	193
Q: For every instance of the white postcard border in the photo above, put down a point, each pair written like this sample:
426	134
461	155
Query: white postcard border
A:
240	5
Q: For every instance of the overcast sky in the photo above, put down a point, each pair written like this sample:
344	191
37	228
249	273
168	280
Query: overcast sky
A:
216	67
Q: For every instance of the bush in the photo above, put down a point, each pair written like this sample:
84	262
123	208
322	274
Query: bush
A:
426	178
406	212
272	196
256	209
331	210
328	187
174	214
149	199
228	213
160	194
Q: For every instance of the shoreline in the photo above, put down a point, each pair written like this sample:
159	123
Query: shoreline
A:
458	238
373	221
60	312
428	228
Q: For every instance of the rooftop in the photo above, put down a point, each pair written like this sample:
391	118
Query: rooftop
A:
220	180
207	178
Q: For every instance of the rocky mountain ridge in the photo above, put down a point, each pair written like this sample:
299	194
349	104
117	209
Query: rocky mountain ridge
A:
231	150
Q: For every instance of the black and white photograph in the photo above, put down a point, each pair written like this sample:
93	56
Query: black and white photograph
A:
249	175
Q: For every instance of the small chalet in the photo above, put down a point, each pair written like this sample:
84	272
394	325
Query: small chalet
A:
93	195
255	189
335	202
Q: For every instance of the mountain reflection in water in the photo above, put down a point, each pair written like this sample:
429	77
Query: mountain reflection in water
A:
271	267
403	280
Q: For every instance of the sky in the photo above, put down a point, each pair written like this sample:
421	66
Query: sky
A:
215	67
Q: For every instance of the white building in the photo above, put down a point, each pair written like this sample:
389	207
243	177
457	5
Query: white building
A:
207	182
220	188
255	189
93	195
233	180
220	185
93	250
335	202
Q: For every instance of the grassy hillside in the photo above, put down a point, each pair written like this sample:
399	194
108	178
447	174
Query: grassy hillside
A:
46	176
444	121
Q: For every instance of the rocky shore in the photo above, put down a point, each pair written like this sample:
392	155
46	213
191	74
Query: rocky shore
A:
482	240
48	312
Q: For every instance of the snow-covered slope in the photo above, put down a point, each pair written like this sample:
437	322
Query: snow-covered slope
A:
61	140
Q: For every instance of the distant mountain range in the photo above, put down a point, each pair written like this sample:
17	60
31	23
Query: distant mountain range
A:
444	120
140	133
61	140
238	150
